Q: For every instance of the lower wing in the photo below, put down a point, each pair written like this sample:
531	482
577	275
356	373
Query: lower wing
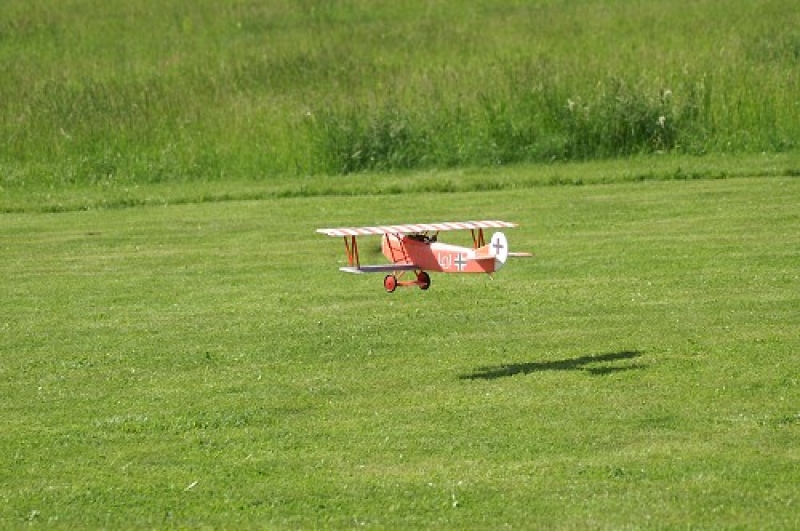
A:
388	268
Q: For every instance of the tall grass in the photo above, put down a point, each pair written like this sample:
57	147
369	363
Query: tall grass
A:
98	91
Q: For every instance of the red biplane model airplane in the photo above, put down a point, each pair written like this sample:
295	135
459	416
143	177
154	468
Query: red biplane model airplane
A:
416	248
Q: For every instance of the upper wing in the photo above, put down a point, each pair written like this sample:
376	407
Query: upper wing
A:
416	228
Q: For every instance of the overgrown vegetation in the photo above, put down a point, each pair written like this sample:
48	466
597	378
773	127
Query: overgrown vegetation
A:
96	91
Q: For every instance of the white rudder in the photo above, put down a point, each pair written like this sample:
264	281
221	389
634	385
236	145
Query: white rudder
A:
498	246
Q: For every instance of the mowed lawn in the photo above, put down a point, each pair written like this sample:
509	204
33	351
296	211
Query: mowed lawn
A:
205	364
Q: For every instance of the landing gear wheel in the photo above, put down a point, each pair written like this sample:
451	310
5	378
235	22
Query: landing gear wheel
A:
390	283
424	280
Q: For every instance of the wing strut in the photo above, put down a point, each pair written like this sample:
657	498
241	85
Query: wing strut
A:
478	240
351	245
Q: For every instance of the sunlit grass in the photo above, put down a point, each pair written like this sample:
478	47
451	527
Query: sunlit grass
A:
190	364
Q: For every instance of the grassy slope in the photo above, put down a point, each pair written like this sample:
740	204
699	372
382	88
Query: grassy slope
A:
205	363
97	91
41	197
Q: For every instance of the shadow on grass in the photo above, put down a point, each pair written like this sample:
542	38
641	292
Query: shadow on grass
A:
596	365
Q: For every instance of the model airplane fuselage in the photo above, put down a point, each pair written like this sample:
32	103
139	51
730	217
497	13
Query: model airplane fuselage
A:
416	248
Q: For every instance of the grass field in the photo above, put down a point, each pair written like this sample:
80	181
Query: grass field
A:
178	349
205	364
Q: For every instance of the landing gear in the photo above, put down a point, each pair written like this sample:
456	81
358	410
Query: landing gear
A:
390	283
423	280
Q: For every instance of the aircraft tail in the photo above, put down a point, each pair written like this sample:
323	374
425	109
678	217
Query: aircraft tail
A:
499	246
496	249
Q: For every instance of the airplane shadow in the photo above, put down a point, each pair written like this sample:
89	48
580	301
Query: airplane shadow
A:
596	365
